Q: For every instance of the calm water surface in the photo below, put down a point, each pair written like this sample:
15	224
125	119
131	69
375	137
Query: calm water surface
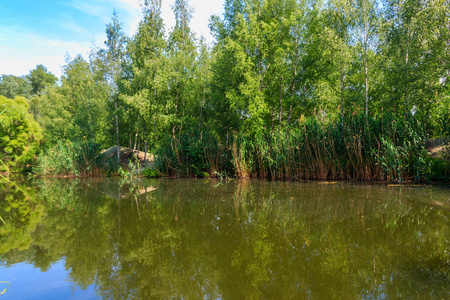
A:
195	239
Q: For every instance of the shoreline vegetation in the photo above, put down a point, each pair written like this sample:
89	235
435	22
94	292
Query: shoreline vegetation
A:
360	148
86	159
291	90
365	149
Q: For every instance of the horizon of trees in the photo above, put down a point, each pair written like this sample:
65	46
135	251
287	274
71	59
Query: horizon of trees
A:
273	63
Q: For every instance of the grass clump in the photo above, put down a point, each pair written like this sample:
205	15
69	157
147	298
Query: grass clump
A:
150	173
193	153
70	159
360	148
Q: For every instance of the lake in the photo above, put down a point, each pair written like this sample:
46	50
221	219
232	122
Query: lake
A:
118	238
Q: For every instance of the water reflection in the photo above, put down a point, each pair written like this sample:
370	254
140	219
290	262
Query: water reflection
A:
233	240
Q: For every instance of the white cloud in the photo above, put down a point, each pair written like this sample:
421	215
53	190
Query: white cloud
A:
129	11
92	8
131	3
203	10
134	11
73	27
21	49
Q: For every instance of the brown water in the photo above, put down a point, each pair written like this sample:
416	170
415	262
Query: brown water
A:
195	239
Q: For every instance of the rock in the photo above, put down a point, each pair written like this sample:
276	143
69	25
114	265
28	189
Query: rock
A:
126	155
439	148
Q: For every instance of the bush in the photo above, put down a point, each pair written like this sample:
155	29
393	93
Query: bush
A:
20	134
439	169
151	173
67	158
404	157
192	153
360	148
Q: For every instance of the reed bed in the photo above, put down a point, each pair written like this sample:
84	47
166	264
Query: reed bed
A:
193	153
357	148
70	159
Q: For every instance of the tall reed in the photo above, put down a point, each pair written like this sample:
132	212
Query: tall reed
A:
67	158
359	148
193	153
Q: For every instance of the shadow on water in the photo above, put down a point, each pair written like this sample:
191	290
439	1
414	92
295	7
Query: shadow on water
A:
233	240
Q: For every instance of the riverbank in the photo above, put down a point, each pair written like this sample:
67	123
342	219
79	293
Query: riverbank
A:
384	149
87	159
357	148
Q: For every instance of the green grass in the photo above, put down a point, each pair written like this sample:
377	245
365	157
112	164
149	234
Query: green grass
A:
67	158
387	148
151	173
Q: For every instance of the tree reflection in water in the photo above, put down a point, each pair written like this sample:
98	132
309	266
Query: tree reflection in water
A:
233	240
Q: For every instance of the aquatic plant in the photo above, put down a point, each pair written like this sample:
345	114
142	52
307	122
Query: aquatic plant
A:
360	148
193	153
68	158
150	173
132	169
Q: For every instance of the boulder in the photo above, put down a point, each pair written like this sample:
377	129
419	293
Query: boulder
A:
126	155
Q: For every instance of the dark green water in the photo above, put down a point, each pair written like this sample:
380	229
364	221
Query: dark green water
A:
194	239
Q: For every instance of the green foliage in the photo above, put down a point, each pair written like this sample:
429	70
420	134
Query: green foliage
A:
85	101
58	160
193	153
363	148
53	111
78	108
12	86
113	60
150	173
267	95
145	88
400	160
440	125
20	134
132	169
439	169
67	158
40	79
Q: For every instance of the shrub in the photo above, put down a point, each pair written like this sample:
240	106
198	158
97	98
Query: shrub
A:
151	173
67	158
360	148
20	134
192	153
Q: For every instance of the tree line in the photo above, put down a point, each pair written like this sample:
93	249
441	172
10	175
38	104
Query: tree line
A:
272	64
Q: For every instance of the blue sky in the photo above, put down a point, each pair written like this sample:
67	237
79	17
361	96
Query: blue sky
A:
36	32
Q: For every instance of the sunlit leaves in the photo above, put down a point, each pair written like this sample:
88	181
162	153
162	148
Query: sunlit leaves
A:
20	134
